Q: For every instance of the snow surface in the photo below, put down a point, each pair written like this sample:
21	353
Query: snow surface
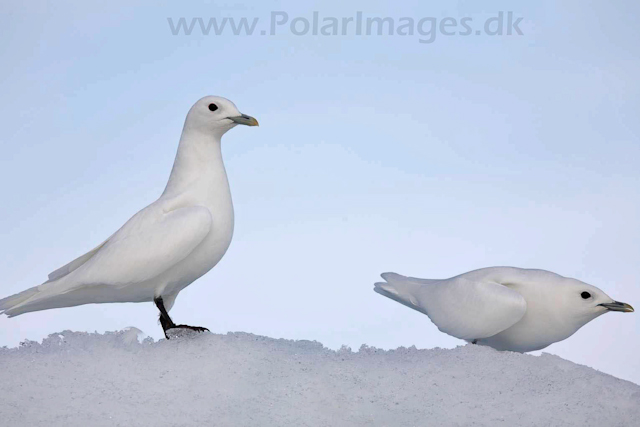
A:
239	379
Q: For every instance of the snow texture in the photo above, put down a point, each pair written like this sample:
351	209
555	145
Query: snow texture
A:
239	379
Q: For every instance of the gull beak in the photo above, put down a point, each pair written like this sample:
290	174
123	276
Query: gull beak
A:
243	119
618	306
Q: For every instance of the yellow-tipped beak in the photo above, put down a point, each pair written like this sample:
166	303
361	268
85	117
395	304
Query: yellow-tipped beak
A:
618	306
243	119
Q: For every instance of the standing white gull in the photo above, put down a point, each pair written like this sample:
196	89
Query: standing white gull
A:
505	308
167	245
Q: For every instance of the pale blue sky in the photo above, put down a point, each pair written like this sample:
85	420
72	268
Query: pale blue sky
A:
374	154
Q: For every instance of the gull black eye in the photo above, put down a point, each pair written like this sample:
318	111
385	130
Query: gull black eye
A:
585	295
213	107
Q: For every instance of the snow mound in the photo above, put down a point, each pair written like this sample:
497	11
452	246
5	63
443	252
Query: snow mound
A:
239	379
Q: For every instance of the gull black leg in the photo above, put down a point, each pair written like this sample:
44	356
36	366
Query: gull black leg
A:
165	320
167	323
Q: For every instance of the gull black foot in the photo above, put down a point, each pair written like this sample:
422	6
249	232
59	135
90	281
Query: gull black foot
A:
183	331
191	328
167	323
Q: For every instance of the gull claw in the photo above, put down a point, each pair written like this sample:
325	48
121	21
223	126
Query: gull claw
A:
179	331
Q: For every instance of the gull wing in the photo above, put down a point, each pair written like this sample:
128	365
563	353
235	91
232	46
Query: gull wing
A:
73	265
149	244
466	309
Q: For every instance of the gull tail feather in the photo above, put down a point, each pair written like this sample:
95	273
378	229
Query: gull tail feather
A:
10	304
34	299
401	289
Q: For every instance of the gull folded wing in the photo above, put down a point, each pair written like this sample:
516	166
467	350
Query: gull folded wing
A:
146	247
149	244
470	310
459	307
73	265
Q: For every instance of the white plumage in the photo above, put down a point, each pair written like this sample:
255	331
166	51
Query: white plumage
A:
167	245
503	307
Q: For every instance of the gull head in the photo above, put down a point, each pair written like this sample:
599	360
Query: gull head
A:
570	304
588	302
216	115
557	307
